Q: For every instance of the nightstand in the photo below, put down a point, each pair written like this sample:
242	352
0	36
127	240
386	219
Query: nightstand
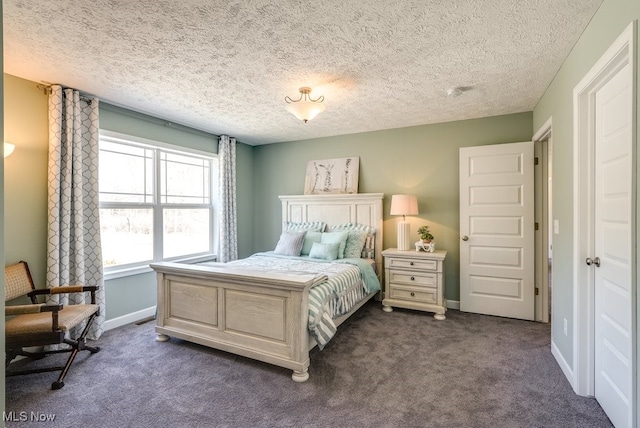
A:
414	280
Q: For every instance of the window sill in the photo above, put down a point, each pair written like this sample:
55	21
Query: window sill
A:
139	270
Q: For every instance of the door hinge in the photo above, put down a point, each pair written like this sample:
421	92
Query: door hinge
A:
535	161
536	225
537	291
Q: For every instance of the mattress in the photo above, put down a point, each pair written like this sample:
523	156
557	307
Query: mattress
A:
348	282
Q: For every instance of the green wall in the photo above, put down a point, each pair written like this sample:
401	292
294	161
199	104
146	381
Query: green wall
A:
421	160
557	103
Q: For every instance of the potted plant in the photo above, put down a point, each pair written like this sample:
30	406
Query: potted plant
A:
426	242
425	234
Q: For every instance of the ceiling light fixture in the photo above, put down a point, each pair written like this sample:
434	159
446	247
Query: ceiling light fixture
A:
305	108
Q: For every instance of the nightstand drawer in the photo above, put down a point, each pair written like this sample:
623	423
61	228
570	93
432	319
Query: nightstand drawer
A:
398	263
414	294
420	279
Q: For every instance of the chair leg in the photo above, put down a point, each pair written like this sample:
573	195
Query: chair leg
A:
78	345
10	355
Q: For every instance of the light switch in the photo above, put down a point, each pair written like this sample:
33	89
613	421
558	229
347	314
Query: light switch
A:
556	227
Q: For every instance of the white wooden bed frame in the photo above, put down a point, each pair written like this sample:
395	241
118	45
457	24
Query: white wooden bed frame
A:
263	316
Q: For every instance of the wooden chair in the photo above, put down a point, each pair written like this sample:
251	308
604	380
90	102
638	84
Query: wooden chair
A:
38	325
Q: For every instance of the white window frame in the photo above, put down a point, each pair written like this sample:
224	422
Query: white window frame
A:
157	206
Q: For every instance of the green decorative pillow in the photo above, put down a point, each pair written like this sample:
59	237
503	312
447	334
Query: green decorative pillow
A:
355	230
309	239
324	251
355	244
336	237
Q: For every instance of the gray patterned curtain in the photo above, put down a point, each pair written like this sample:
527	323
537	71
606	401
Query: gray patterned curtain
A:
228	226
74	253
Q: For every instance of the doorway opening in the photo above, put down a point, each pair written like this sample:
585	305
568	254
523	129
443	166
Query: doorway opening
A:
543	152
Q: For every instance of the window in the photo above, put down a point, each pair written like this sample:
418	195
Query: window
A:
156	202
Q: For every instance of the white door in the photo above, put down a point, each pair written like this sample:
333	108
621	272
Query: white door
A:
612	261
497	230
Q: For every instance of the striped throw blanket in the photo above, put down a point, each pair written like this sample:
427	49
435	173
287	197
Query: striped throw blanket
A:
347	284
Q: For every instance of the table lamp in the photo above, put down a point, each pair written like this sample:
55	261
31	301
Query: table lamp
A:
404	205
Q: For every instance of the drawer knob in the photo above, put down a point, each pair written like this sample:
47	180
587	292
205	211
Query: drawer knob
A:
413	279
410	263
413	294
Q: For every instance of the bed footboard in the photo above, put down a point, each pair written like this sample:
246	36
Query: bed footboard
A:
257	315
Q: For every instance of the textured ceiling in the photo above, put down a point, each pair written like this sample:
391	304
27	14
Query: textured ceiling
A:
225	66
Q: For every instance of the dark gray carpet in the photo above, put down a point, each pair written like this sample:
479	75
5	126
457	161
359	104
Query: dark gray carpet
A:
402	369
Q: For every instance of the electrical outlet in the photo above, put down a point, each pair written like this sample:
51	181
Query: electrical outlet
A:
565	326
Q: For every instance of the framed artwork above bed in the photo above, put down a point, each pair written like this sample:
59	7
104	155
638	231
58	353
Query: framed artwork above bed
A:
339	175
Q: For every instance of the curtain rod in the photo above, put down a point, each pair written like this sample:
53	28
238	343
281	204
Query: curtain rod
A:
45	87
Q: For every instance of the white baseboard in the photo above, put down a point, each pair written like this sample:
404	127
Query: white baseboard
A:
129	318
564	366
453	304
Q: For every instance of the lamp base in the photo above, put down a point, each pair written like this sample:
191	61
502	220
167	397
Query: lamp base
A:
404	242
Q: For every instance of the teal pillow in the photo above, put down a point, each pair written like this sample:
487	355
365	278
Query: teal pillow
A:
324	251
355	244
309	239
336	238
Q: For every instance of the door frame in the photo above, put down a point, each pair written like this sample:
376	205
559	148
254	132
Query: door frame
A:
543	147
620	53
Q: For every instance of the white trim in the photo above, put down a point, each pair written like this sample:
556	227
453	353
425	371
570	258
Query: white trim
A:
564	365
543	140
544	132
139	270
129	318
453	304
617	55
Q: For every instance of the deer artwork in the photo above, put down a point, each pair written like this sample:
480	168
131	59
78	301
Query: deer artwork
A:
346	174
327	177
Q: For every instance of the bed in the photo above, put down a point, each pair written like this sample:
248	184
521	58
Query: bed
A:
262	307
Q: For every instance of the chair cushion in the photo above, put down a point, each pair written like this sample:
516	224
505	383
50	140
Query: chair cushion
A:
68	318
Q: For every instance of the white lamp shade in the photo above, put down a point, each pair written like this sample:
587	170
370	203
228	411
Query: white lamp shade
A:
8	149
305	110
404	205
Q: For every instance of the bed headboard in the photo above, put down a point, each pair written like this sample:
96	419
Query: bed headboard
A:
335	209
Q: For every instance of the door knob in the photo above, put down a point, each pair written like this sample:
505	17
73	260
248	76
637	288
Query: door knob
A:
594	261
465	238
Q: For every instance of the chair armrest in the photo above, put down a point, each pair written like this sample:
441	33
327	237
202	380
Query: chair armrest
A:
31	309
63	289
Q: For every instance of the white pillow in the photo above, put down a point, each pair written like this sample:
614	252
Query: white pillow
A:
290	243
